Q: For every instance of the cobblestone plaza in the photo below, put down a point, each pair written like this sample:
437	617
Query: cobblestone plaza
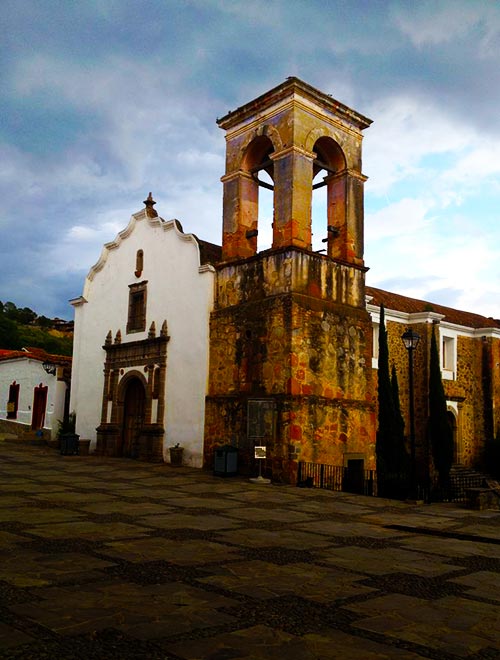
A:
111	558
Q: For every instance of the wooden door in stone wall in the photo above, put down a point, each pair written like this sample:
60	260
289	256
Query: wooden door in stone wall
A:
133	418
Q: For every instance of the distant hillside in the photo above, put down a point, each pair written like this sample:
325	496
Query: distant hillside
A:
23	328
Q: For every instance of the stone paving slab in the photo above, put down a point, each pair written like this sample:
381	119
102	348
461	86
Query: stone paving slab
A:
374	561
252	513
30	569
112	558
412	520
68	497
189	552
483	530
350	528
185	521
33	515
133	509
87	530
453	624
263	643
483	584
177	608
451	547
260	579
259	538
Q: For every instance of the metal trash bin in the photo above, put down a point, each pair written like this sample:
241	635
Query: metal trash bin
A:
69	444
226	461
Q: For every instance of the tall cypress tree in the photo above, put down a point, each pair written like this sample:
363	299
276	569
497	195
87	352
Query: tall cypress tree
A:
440	431
486	373
399	417
390	448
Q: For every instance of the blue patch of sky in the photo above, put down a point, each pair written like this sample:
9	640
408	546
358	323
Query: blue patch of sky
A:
39	130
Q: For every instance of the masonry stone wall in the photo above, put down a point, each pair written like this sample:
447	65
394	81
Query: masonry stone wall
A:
474	387
309	355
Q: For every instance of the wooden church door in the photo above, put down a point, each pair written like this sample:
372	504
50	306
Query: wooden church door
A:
133	418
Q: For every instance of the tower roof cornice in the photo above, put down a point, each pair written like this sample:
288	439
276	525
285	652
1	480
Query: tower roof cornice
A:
293	87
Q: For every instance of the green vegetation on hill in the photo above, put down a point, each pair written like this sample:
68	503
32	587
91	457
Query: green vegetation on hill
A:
23	328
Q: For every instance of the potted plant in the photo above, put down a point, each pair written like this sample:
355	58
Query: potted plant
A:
176	455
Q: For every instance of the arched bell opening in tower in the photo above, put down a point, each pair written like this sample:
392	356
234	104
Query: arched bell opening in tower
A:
258	164
329	201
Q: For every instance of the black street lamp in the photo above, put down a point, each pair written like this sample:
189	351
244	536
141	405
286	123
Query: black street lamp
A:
49	368
410	340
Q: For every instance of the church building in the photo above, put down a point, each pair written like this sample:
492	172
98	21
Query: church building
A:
178	341
141	342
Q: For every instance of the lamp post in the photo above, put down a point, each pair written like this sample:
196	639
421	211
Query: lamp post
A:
410	340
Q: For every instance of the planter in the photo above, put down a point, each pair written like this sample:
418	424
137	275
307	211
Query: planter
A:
176	455
69	444
83	447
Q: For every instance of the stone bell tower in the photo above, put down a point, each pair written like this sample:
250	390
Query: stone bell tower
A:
290	353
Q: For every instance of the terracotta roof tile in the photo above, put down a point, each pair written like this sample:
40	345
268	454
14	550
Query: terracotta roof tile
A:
413	305
34	354
210	253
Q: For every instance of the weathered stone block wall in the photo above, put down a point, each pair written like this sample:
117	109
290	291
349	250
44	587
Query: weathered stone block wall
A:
275	333
467	389
289	270
324	430
495	376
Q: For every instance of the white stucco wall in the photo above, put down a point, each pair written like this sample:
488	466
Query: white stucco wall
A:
178	291
29	373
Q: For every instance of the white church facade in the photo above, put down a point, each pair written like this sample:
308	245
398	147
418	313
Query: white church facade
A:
140	364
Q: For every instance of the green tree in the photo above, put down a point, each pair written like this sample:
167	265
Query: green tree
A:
397	404
10	310
439	428
392	457
44	322
25	315
9	334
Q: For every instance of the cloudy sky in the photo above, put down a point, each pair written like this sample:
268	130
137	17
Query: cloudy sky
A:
102	101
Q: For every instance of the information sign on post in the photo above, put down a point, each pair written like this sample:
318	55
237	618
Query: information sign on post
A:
260	455
260	452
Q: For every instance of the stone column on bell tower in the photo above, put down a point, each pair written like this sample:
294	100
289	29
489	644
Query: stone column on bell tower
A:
293	179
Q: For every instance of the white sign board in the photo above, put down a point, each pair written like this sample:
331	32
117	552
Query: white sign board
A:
260	452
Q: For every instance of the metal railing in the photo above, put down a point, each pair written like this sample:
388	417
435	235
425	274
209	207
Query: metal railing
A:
336	477
393	486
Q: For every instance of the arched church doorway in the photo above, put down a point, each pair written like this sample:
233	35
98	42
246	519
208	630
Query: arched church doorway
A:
133	418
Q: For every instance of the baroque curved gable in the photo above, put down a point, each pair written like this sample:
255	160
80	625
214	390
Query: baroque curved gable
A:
166	225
